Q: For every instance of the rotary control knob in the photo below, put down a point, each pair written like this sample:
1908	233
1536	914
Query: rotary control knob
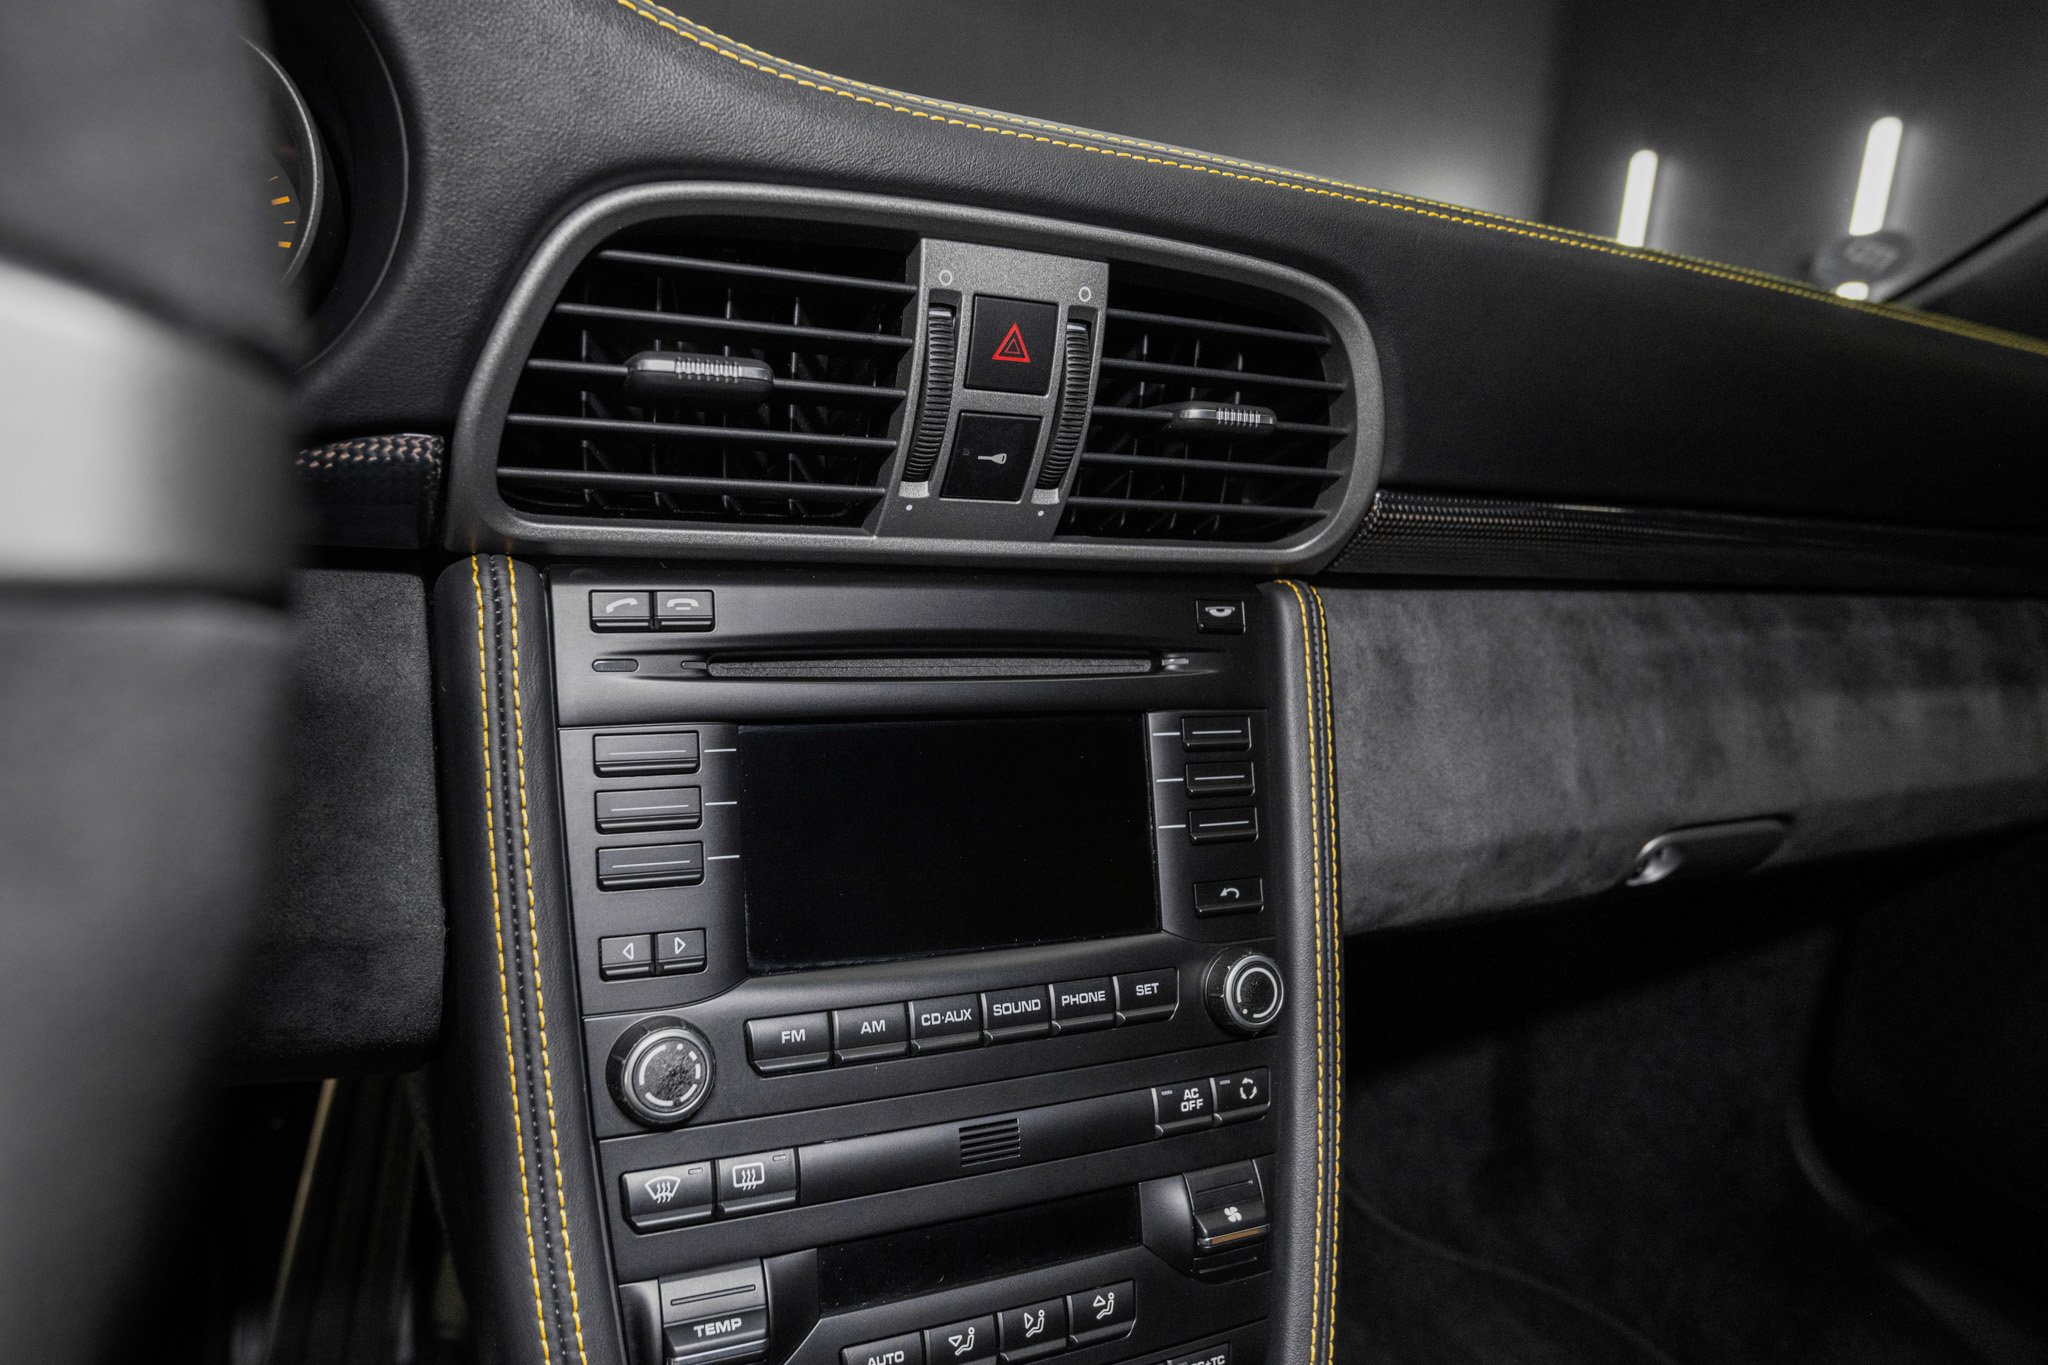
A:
1245	991
660	1071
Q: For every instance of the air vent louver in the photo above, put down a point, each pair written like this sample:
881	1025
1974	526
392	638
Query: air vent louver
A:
1169	349
990	1141
826	315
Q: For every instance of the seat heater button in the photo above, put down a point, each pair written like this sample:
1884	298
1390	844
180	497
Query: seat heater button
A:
789	1042
945	1023
1078	1006
1102	1314
869	1033
757	1183
907	1349
972	1342
1143	997
668	1196
1020	1012
1183	1107
1032	1332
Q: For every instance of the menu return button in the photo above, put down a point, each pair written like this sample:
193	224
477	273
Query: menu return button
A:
1020	1012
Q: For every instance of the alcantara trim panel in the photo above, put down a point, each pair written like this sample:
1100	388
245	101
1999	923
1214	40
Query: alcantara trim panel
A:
1447	535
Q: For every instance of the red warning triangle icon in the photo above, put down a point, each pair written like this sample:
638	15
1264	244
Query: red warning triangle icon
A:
1012	347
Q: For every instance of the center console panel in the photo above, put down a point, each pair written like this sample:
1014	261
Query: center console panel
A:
939	964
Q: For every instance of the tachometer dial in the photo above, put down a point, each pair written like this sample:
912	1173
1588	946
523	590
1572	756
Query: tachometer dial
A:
296	189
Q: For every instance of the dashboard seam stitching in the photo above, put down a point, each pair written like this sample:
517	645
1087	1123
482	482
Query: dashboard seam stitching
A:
504	981
1336	967
539	988
1315	1312
1566	237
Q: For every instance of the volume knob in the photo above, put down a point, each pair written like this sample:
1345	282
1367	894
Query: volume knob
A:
1245	990
660	1071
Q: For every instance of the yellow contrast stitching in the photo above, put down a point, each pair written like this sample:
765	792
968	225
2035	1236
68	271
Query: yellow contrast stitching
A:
539	991
1217	158
504	988
1370	198
1315	808
1336	955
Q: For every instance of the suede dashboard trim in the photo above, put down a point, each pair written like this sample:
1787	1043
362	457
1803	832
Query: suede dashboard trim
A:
1175	158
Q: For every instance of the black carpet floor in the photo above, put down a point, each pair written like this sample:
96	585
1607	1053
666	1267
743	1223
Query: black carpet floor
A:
1568	1142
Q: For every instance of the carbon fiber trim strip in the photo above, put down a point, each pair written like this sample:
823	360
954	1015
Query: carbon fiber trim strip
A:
375	492
1442	535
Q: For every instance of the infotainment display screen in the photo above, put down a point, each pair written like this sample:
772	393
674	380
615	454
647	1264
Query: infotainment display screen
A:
863	842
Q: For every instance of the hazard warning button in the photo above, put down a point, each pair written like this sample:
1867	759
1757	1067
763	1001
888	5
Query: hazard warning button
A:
1010	347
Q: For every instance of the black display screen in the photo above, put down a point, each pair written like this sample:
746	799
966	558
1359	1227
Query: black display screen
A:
863	842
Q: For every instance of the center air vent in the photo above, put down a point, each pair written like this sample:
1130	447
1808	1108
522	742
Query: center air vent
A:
1215	418
748	375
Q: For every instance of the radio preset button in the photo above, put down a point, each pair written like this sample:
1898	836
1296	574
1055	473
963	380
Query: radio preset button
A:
1032	1332
972	1342
668	1196
869	1033
1142	997
1102	1314
1223	826
1226	777
907	1349
621	812
756	1183
1200	733
789	1042
944	1023
645	754
1078	1006
1020	1012
1183	1107
645	865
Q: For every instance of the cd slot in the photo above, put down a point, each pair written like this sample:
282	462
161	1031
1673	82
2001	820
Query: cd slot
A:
931	668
